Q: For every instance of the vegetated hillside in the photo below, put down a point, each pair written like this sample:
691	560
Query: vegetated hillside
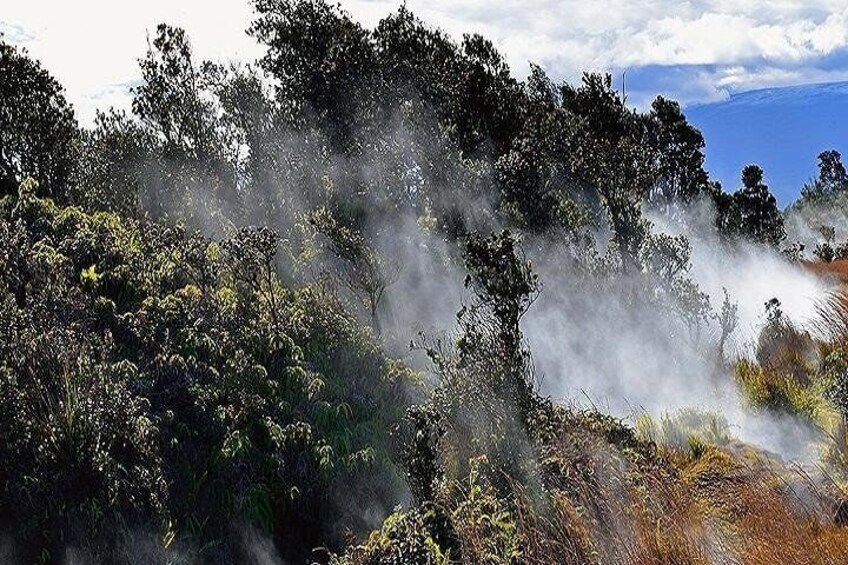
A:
278	313
155	379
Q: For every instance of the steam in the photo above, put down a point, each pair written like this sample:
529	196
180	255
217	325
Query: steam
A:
596	336
751	274
803	224
592	340
589	337
260	548
625	356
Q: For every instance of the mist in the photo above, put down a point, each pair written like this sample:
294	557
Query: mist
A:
373	296
596	343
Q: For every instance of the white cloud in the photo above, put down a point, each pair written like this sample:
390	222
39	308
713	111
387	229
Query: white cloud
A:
617	32
92	45
739	79
731	45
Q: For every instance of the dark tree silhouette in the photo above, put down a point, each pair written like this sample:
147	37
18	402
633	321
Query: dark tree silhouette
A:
38	131
831	180
752	212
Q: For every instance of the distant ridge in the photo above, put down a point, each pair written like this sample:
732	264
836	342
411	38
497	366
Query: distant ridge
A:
782	95
783	129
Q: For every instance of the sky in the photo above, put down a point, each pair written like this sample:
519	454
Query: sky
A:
697	51
781	129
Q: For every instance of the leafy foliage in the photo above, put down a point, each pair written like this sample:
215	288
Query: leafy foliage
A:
155	374
831	180
752	211
176	354
38	131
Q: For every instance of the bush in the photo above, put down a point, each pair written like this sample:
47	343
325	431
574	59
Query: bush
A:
155	375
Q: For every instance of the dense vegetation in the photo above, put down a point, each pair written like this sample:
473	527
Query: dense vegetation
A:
156	377
202	358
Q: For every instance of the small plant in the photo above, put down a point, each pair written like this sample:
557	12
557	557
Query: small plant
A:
696	447
727	319
783	349
794	252
824	250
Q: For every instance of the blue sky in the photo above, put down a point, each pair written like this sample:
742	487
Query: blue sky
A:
696	51
783	130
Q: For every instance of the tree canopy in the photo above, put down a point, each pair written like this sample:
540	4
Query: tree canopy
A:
38	131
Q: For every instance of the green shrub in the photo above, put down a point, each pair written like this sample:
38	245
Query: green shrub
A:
151	374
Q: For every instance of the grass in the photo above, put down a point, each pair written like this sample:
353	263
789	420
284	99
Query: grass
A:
676	489
688	427
607	496
835	271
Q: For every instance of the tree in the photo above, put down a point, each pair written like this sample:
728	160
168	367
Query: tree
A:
505	286
115	163
173	103
467	86
832	178
169	100
831	171
727	320
753	212
825	249
608	150
323	62
488	109
679	157
38	131
362	270
416	60
485	399
252	252
537	186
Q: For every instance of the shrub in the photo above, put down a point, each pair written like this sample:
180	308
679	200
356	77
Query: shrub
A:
149	376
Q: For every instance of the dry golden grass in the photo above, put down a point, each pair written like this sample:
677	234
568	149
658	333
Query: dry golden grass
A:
836	271
678	535
611	499
601	495
832	319
770	531
556	532
713	508
770	514
616	500
608	502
